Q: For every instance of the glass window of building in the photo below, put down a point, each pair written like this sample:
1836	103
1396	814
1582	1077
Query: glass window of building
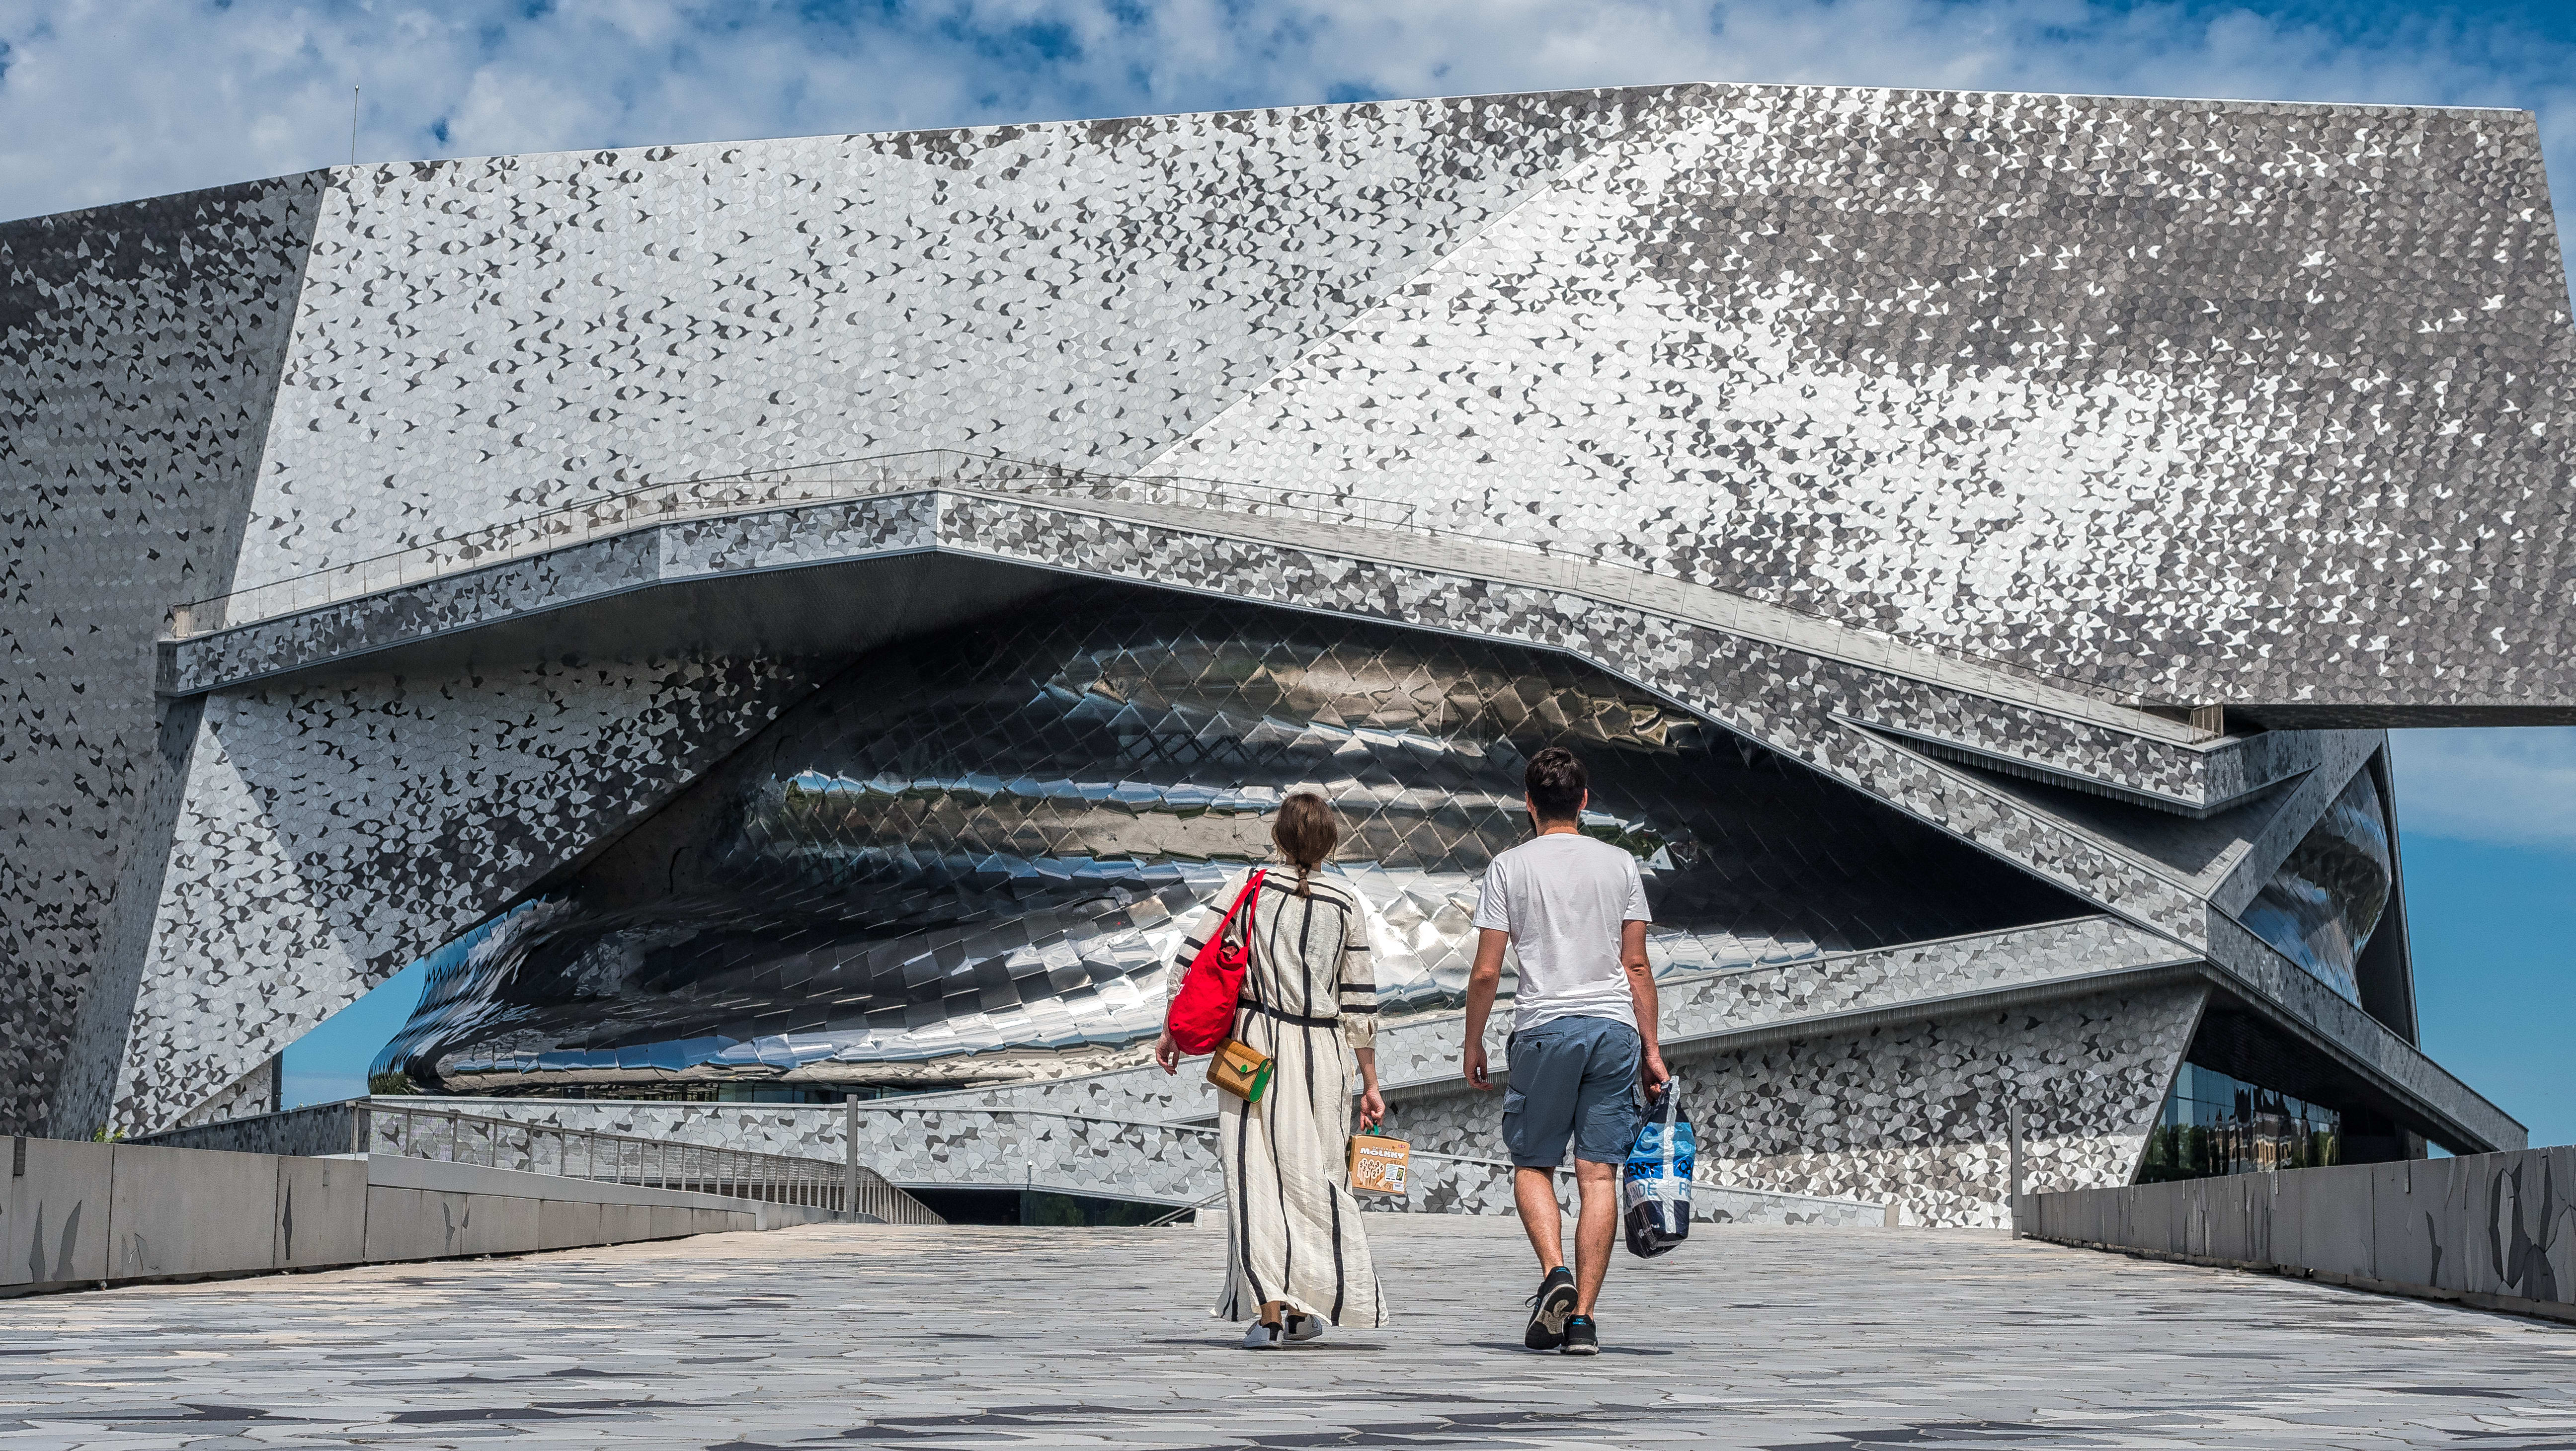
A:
2214	1124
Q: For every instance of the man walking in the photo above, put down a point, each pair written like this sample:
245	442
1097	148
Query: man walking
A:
1582	1040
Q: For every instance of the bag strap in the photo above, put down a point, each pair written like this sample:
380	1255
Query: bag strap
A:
1251	892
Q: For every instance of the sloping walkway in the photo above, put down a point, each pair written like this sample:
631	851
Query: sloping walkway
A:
962	1337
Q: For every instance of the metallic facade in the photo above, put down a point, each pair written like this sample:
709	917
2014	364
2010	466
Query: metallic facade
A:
983	843
1942	450
2038	376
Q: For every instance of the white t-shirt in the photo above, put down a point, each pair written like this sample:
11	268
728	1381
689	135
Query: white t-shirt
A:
1564	897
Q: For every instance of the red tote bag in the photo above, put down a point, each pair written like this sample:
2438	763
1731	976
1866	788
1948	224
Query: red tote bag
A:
1202	1015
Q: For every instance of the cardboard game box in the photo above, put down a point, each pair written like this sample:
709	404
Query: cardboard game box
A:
1378	1164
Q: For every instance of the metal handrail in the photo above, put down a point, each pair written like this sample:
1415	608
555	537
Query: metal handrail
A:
450	1136
928	470
1165	1221
1208	1132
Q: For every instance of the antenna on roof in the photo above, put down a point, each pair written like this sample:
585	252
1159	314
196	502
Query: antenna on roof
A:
353	125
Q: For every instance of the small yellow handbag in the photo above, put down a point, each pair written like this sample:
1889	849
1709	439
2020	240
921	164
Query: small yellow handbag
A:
1241	1069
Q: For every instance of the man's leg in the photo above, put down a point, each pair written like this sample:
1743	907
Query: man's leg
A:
1595	1231
1538	1119
1604	1129
1534	1193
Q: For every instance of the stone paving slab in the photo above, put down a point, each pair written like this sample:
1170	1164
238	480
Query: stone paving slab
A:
958	1337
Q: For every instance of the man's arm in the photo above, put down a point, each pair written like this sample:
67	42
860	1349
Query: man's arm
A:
1641	988
1483	980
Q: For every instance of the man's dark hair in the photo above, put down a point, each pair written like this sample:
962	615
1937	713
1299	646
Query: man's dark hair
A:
1555	781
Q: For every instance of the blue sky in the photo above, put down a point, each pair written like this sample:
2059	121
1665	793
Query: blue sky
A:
104	100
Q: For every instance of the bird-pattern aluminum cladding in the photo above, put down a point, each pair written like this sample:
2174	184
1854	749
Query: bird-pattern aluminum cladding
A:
2201	400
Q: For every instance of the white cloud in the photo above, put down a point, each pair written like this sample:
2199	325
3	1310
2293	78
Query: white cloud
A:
2508	787
102	100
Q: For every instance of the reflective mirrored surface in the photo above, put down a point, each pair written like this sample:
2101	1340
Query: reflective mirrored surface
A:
2320	908
968	856
2215	1124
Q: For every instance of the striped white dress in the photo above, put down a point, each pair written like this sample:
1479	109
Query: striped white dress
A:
1309	997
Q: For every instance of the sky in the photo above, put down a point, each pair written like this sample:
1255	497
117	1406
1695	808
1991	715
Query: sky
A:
107	100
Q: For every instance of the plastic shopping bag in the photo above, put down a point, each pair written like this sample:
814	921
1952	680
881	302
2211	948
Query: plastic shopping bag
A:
1655	1183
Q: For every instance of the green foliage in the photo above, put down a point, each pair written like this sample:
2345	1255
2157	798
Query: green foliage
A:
392	1081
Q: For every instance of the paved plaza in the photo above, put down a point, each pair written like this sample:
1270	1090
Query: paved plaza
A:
972	1337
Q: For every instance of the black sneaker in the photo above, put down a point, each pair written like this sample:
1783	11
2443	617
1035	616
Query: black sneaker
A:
1548	1309
1582	1337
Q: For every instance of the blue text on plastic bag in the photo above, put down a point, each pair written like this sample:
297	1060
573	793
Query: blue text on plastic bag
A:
1655	1183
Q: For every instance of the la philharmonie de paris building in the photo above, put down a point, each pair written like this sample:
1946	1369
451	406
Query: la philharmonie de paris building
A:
784	632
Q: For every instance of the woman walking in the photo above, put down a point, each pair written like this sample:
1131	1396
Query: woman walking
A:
1296	1259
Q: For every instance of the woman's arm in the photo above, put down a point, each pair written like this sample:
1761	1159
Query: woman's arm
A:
1359	1005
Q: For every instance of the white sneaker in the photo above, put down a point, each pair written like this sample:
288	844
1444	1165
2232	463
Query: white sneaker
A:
1303	1327
1262	1336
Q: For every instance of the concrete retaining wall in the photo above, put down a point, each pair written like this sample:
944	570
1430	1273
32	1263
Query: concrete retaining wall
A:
77	1214
2493	1230
324	1128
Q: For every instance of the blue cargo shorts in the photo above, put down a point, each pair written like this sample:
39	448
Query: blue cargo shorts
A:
1572	1078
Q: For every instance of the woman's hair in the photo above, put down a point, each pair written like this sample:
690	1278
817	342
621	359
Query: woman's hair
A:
1306	831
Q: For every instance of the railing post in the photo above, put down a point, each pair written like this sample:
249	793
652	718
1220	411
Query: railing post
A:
2012	1127
850	1157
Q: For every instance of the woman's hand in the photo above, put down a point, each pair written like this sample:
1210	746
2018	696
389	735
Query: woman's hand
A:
1167	1053
1372	1106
